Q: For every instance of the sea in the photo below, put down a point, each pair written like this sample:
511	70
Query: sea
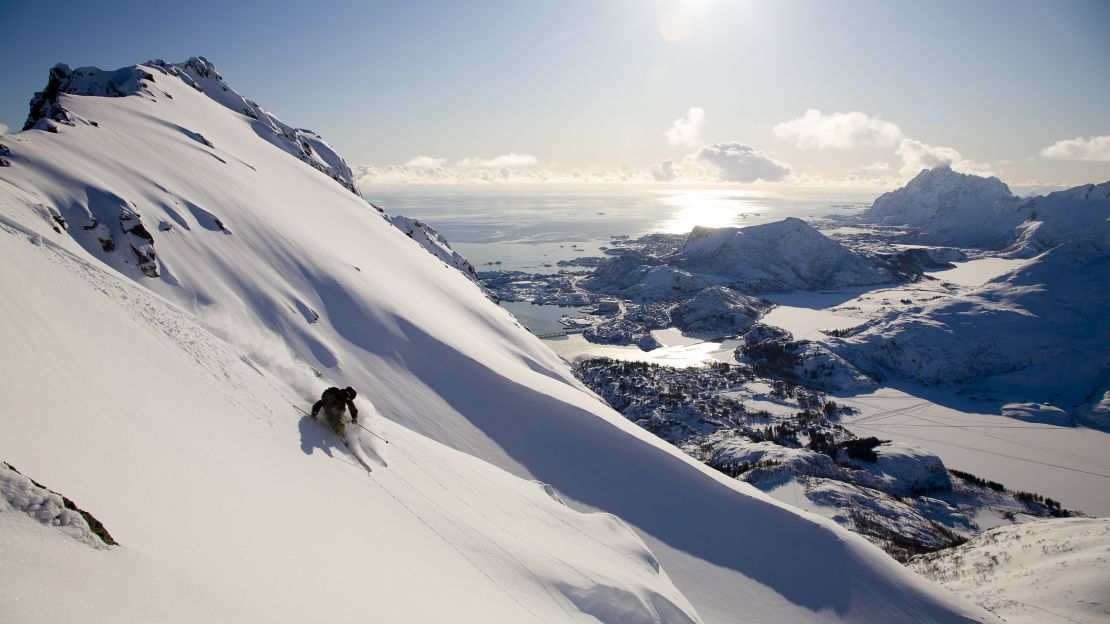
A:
528	228
531	228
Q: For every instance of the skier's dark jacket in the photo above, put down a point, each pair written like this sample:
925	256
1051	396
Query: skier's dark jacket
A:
335	400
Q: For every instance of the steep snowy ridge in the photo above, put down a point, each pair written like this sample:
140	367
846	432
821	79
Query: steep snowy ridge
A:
944	207
47	111
165	402
436	245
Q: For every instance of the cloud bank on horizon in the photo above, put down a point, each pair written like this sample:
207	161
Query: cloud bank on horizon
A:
732	162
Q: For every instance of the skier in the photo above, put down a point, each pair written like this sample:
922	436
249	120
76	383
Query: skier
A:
334	403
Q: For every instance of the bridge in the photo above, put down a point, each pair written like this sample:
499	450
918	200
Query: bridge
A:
561	333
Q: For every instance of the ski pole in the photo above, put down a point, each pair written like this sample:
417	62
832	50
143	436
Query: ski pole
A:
373	434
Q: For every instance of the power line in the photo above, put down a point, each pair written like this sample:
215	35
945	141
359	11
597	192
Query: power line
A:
971	448
1030	445
937	426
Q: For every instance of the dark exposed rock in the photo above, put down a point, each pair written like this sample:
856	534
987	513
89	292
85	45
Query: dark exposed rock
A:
23	494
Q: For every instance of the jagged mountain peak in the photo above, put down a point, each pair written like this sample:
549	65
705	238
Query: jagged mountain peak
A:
943	177
1085	191
48	111
942	206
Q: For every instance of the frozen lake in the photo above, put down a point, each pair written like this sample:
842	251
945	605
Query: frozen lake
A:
1070	464
677	350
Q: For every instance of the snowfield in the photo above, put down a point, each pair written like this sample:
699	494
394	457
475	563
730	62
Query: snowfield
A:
1034	573
179	263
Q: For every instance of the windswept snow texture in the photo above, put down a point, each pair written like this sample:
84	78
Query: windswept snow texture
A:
197	72
944	207
1032	573
171	414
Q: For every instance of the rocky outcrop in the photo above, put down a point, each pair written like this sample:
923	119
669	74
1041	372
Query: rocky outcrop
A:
434	242
20	494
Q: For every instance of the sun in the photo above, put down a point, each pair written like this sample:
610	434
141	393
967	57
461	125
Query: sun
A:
676	24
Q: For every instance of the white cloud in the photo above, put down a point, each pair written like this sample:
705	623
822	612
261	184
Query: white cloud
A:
499	162
426	162
736	162
917	156
816	130
685	130
664	171
3	128
1096	148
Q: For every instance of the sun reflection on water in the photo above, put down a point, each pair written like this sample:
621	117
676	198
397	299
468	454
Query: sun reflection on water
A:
707	207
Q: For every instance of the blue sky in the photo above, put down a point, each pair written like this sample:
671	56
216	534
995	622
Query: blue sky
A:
593	86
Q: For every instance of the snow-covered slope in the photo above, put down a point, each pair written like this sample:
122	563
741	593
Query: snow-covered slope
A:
435	244
1032	573
48	111
718	311
1077	214
780	256
944	207
1034	334
156	382
774	257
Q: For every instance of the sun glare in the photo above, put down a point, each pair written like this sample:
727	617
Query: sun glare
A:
676	24
709	208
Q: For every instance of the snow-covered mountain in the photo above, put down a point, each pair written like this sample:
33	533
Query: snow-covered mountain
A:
718	311
773	257
780	256
184	272
1081	213
1034	334
944	207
